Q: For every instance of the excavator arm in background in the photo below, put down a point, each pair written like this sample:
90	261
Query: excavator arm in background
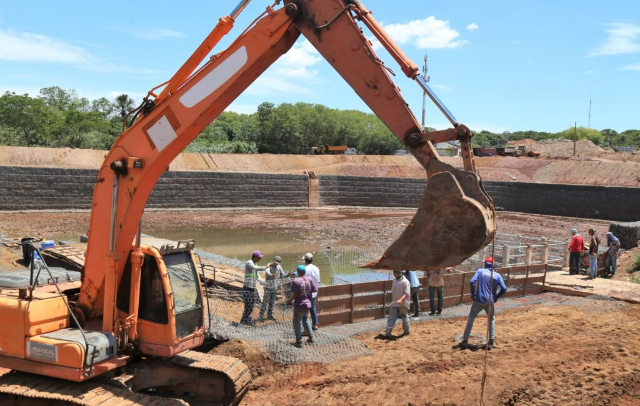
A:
455	218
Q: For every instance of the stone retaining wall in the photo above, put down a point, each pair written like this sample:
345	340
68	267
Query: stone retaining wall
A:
597	202
23	188
56	188
369	191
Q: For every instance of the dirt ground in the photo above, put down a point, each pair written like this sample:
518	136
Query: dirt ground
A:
591	166
547	355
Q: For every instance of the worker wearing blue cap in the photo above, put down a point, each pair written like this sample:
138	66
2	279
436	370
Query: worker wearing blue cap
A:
302	289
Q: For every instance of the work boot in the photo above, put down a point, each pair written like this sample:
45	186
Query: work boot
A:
297	344
310	340
315	326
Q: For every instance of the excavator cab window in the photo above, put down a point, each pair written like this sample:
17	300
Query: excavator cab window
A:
153	303
185	287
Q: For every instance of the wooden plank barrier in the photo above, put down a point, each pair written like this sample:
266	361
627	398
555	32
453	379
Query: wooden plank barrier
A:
341	304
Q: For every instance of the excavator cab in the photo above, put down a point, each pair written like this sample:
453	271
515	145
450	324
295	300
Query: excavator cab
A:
170	311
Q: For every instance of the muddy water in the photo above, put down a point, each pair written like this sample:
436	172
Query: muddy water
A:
234	243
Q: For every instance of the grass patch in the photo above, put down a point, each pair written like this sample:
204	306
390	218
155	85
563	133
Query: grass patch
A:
636	264
634	279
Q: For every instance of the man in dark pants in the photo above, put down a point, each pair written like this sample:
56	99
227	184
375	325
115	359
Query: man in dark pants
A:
249	293
576	249
436	283
414	282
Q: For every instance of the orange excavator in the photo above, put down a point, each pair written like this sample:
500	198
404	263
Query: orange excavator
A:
139	312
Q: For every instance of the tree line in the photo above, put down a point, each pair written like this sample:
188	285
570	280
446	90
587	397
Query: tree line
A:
61	118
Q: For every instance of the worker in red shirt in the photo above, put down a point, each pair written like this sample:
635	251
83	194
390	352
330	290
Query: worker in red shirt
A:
576	249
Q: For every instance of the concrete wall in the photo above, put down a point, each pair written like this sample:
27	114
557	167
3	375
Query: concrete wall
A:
599	202
55	188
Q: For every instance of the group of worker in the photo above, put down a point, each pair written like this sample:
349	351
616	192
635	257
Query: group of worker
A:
304	293
484	292
576	251
405	290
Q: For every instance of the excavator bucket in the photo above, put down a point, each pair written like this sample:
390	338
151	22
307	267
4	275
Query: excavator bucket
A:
455	219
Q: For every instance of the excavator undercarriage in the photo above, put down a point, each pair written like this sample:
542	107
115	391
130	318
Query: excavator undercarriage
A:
191	378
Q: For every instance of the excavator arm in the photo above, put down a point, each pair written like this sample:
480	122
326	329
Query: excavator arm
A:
455	218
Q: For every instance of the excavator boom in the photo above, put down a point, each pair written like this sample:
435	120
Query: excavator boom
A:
145	301
455	218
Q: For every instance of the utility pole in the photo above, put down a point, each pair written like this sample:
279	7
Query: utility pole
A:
589	125
575	136
425	70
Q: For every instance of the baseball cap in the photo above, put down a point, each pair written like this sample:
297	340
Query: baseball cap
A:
301	268
574	231
257	253
277	259
488	262
308	256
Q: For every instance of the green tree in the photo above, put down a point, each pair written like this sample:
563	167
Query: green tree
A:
583	134
28	117
61	100
123	104
103	106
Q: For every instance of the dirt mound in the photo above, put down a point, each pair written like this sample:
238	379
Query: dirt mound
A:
564	148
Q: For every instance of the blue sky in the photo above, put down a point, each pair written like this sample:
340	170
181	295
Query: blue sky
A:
497	65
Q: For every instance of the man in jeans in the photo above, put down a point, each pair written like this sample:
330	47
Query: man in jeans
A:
612	254
483	293
249	293
414	283
594	243
314	273
436	283
400	291
576	248
302	289
273	275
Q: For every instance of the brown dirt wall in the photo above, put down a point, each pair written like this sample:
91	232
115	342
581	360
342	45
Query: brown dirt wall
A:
612	169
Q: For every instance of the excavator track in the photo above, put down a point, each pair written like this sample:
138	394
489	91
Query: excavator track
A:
195	377
19	388
191	378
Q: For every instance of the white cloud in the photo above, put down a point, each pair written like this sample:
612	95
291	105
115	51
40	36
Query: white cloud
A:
151	33
472	27
623	38
590	72
28	47
427	33
631	67
36	48
291	73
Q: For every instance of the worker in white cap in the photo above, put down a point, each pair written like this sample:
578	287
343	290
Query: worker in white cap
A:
314	273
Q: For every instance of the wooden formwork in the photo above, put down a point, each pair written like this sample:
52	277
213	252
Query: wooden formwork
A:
341	304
